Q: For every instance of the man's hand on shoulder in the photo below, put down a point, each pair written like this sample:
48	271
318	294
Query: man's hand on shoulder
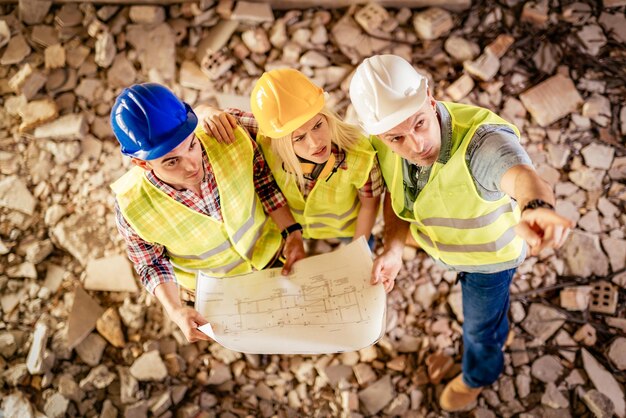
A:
217	123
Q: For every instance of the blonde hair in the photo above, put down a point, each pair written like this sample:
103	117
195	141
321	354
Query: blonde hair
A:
342	134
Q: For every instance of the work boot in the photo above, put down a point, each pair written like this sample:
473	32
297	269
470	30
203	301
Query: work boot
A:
457	396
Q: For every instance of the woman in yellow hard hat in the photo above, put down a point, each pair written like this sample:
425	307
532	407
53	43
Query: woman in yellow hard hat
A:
326	168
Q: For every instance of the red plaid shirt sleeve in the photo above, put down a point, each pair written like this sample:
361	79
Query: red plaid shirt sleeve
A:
266	188
149	260
245	120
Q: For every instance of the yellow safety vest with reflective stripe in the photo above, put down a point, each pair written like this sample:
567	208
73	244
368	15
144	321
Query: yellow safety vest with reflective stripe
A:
246	239
450	220
331	208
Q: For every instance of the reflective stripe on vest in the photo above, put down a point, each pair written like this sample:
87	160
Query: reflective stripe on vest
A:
450	220
331	208
244	241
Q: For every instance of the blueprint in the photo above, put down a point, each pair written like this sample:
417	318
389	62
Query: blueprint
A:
326	305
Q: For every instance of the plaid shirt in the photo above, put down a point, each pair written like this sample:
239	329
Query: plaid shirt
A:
150	259
372	188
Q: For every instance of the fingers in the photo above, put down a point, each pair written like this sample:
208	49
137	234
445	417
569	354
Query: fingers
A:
377	269
226	126
232	120
388	284
196	335
525	232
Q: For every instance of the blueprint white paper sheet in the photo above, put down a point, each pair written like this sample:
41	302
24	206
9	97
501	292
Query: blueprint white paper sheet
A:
327	305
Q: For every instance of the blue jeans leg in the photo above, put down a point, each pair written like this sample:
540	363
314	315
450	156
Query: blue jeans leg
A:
486	325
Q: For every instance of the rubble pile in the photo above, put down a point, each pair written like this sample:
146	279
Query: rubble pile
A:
79	338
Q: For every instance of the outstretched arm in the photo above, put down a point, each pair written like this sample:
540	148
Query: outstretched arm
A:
541	227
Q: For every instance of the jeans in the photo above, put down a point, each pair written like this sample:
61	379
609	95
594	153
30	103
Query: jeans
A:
486	325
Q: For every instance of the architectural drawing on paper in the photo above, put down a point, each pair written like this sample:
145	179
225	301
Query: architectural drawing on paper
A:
326	302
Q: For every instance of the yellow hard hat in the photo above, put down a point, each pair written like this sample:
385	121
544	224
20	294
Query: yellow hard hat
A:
283	100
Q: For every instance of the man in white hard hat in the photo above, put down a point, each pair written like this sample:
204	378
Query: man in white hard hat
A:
459	180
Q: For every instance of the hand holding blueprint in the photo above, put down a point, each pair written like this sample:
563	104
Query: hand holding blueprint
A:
327	305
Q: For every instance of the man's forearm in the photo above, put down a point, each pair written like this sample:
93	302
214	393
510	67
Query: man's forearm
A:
523	184
366	217
167	294
396	229
282	217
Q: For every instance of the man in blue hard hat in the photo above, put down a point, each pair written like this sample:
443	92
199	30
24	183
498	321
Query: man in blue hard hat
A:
191	204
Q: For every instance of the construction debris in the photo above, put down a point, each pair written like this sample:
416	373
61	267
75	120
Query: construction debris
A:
554	69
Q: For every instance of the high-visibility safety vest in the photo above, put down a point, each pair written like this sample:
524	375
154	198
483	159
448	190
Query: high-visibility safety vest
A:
450	220
331	208
246	239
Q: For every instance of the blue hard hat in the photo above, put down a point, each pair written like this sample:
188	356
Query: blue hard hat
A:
149	121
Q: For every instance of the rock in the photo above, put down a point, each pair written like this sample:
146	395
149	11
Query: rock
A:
484	68
71	126
219	373
432	23
192	76
91	348
535	12
592	39
542	321
56	406
575	298
522	383
364	374
583	255
37	113
108	410
109	325
425	295
617	353
24	270
105	49
253	12
16	405
547	368
519	354
129	386
35	360
122	73
500	45
16	51
147	15
156	48
399	406
314	59
7	344
460	49
616	250
54	57
591	222
27	82
562	338
614	25
605	383
460	88
438	365
598	156
5	33
551	99
83	243
604	296
599	404
553	397
558	154
83	316
110	274
99	378
149	367
68	387
256	40
376	396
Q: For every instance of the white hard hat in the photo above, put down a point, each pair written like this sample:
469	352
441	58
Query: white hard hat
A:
386	90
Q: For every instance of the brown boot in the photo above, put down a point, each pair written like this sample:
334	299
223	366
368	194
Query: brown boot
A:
457	396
